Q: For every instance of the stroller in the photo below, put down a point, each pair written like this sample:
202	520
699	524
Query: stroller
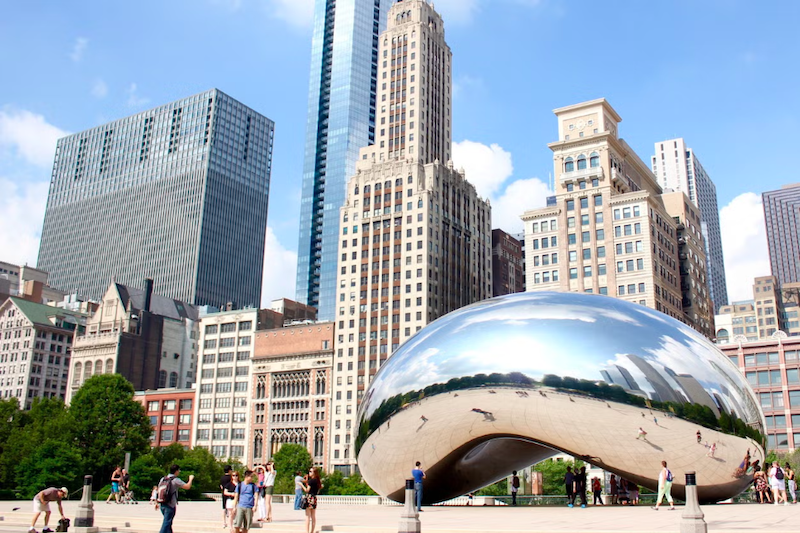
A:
127	496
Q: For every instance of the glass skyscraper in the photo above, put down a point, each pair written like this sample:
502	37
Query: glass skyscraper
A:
177	194
341	119
782	217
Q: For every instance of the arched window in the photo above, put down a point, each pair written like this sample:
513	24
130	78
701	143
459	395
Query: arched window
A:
377	186
76	374
569	165
723	335
109	366
366	189
87	371
410	178
387	184
398	182
594	160
356	190
98	367
581	162
162	379
173	379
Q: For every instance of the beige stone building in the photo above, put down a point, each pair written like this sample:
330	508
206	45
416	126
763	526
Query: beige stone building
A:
608	231
698	309
291	393
415	238
148	339
773	313
35	350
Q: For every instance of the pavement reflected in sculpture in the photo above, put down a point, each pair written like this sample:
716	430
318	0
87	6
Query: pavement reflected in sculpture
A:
507	382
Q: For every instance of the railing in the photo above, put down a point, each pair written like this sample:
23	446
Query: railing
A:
369	500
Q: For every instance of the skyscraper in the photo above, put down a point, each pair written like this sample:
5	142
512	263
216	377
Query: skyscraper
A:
781	213
341	120
415	238
676	167
177	194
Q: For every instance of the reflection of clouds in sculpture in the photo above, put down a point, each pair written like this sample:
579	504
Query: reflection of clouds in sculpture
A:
567	335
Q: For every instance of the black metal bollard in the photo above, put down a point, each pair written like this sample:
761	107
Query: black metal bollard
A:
409	519
692	519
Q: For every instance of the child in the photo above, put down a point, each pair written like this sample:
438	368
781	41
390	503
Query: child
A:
245	501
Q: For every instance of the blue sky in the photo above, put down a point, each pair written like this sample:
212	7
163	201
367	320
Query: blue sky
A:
720	73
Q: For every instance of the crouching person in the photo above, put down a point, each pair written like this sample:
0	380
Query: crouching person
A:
41	504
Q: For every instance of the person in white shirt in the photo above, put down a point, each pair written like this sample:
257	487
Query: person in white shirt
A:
777	482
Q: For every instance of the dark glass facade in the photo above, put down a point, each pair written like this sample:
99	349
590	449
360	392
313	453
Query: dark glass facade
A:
781	213
341	120
178	194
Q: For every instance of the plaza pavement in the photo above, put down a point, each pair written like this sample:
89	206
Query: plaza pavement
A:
204	517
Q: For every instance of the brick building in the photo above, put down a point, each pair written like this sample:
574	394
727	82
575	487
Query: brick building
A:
171	412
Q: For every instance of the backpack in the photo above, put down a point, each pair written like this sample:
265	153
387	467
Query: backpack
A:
778	473
515	482
669	474
165	490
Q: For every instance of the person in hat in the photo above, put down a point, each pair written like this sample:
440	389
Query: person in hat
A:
41	504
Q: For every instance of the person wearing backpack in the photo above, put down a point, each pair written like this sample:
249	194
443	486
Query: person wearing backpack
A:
514	487
246	494
777	482
167	498
664	487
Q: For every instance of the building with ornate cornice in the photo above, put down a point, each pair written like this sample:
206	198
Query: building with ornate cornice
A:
607	230
415	237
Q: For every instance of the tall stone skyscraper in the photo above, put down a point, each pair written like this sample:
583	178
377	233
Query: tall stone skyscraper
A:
781	214
177	194
415	237
341	120
676	167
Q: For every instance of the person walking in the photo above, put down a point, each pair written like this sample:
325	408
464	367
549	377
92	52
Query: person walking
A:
790	481
223	484
642	435
116	477
245	501
613	489
711	450
418	474
777	482
41	504
514	487
312	486
170	503
229	493
664	487
580	485
299	480
569	485
259	475
699	437
597	488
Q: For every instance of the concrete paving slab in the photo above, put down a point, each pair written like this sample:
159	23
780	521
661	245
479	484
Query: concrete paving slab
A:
205	517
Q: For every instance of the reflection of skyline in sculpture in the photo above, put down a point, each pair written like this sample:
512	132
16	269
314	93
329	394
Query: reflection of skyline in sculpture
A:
611	355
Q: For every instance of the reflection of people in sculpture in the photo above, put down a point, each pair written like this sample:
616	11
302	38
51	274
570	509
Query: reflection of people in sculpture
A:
642	435
711	450
664	487
699	437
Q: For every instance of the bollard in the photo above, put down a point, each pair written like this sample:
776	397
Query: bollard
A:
409	519
692	519
84	517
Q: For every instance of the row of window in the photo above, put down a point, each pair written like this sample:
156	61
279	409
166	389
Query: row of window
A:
584	202
168	435
168	405
570	163
228	327
227	342
169	420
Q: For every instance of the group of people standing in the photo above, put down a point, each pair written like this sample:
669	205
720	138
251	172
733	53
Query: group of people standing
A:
242	495
771	486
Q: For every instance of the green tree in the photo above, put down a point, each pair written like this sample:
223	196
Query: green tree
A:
205	468
12	419
553	475
53	463
336	484
290	458
107	422
499	488
145	474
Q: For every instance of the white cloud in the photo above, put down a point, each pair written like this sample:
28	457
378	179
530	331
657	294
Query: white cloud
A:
518	197
744	244
280	271
490	169
78	49
22	204
487	166
28	136
296	12
134	100
99	88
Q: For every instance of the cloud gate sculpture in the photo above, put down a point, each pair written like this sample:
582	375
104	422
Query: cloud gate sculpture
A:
507	382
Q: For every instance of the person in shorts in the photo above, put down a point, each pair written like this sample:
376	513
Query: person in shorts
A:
41	504
116	478
245	500
223	484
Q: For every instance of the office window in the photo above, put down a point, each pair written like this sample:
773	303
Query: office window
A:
573	273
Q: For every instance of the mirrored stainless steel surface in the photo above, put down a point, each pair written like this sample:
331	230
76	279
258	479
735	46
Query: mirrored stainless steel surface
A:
506	382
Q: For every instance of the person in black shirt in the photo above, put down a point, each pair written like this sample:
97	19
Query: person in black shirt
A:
580	486
569	484
223	484
312	486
